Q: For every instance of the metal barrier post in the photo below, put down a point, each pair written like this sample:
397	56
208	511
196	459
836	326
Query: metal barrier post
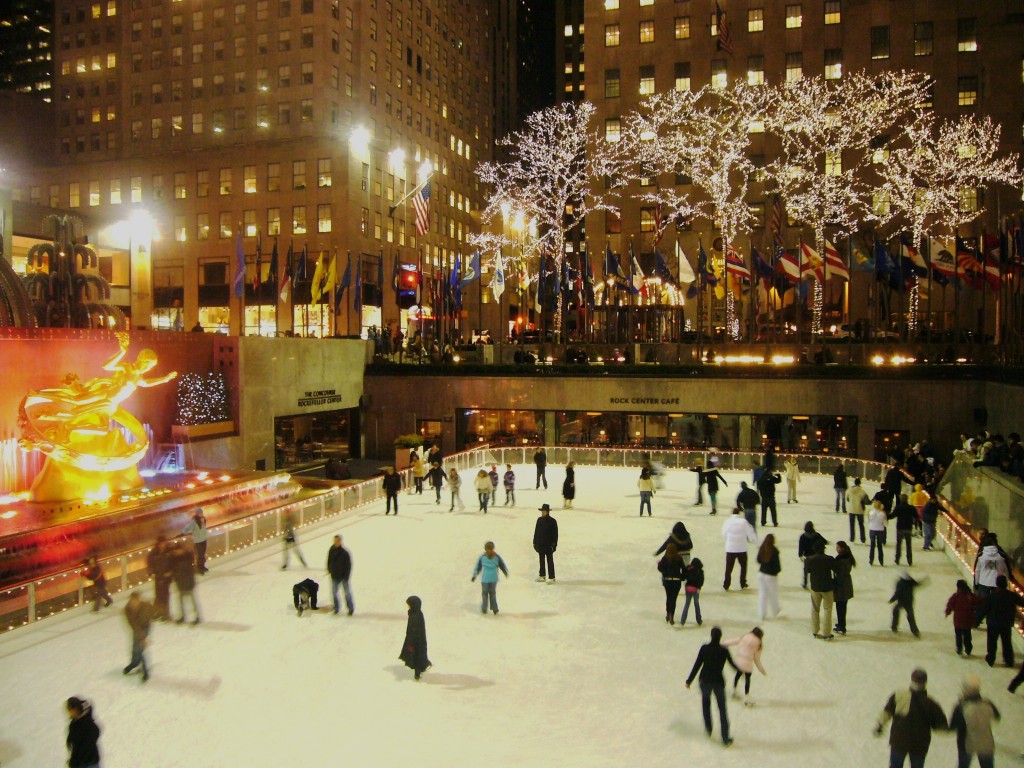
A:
31	602
124	573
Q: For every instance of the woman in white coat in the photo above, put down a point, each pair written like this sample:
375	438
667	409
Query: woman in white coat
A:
746	657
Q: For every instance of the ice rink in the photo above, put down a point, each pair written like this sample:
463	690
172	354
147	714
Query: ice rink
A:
582	673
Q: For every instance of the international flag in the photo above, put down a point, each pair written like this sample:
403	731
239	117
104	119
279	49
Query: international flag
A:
787	266
538	296
659	224
380	276
581	293
589	286
455	283
421	206
887	269
238	281
272	275
776	222
993	271
636	274
705	268
724	36
285	287
472	273
357	298
943	260
257	277
834	264
812	264
735	265
331	281
395	285
346	281
762	267
661	267
301	273
686	274
861	258
911	259
613	269
498	281
316	288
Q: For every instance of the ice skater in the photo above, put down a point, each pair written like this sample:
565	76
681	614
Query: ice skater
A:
906	518
972	720
839	484
158	563
414	648
94	573
196	528
963	604
694	584
139	615
903	600
185	581
339	566
766	487
673	574
878	524
482	484
509	481
738	535
545	542
392	486
701	482
1000	612
712	477
808	544
83	735
304	595
645	484
914	716
792	479
488	564
455	486
710	663
821	573
540	460
291	542
681	538
493	475
858	501
843	565
437	479
419	471
569	485
748	656
769	567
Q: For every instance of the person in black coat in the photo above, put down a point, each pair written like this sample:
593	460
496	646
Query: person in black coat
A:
810	541
392	485
83	735
311	588
437	478
840	484
701	482
339	565
711	661
545	542
540	459
414	649
1000	611
903	598
184	580
94	573
158	563
673	574
711	479
893	482
681	538
766	487
569	485
906	517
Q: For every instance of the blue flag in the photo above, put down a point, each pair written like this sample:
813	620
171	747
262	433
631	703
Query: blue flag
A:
472	270
357	299
346	281
705	270
238	281
455	283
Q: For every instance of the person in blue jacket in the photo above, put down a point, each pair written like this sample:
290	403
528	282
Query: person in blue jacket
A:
487	568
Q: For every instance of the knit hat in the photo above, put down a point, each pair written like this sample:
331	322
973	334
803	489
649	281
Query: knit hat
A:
918	679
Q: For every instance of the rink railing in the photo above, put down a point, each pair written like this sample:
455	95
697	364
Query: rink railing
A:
57	593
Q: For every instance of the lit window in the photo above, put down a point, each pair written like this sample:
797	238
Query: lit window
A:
923	37
967	91
833	164
646	2
646	31
833	63
719	74
611	35
115	191
298	220
880	204
225	181
612	129
682	79
967	35
755	126
682	27
323	218
794	67
94	193
249	179
794	16
611	5
755	20
968	199
611	83
833	11
879	43
646	81
714	24
647	215
755	70
568	30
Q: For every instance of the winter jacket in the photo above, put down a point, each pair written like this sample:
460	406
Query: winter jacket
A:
905	516
914	716
509	480
766	485
711	660
737	533
339	563
919	497
694	577
184	571
842	565
972	720
680	537
711	478
83	740
839	479
809	543
197	529
963	606
821	572
774	565
672	570
748	652
493	477
792	470
540	458
392	483
1000	608
545	534
747	499
414	648
569	486
645	484
903	594
930	512
878	520
482	484
893	482
990	565
437	477
139	618
858	499
489	567
419	468
886	498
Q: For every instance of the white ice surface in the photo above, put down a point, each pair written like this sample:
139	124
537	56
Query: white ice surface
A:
585	672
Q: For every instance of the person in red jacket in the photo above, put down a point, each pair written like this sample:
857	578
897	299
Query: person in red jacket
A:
963	604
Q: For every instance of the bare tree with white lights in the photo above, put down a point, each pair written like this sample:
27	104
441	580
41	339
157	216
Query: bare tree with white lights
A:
825	129
554	178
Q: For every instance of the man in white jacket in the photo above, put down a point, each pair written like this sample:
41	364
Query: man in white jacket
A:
738	534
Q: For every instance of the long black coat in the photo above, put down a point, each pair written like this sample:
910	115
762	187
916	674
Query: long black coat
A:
414	649
569	486
545	534
83	741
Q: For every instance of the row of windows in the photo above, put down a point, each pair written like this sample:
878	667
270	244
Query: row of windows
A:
967	34
98	10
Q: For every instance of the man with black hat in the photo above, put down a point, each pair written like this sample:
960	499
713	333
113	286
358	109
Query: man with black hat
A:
545	541
914	716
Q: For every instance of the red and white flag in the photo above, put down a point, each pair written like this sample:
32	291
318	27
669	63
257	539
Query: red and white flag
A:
834	264
812	264
786	265
421	206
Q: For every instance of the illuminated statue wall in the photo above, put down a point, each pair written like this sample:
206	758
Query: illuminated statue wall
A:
92	445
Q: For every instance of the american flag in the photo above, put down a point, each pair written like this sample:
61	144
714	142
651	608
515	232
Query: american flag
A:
724	36
421	204
776	223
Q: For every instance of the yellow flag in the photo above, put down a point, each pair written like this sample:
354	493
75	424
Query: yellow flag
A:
316	287
332	277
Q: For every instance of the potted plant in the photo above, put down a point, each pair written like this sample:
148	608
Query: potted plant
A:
404	444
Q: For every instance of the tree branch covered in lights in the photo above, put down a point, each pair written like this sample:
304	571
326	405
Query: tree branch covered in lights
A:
826	129
490	245
554	177
932	163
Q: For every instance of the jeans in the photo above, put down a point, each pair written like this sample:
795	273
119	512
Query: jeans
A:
963	759
766	505
877	538
819	600
392	498
547	558
841	499
456	498
485	498
855	520
706	689
645	500
730	560
488	592
343	583
903	536
510	495
693	597
750	515
437	494
542	476
671	596
964	641
768	595
700	493
897	759
138	656
929	534
418	483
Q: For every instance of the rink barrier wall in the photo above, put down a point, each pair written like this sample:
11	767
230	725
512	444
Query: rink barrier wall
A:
55	594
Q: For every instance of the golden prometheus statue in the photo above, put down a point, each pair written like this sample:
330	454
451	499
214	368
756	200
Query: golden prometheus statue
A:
92	445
